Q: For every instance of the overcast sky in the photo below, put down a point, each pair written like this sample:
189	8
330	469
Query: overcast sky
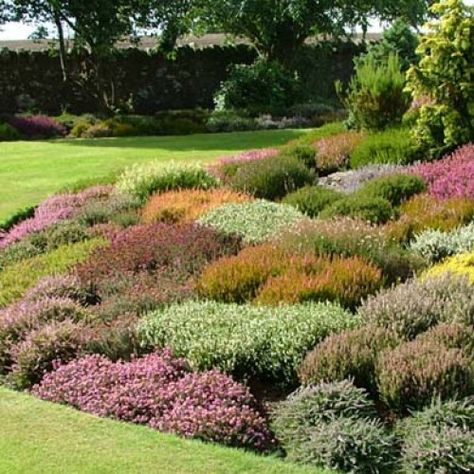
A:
18	31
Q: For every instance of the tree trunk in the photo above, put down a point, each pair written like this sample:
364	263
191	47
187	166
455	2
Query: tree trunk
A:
62	46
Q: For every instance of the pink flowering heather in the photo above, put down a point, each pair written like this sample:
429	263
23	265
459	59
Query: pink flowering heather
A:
158	390
51	211
59	286
221	167
38	126
452	176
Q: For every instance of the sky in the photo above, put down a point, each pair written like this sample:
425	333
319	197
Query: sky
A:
19	31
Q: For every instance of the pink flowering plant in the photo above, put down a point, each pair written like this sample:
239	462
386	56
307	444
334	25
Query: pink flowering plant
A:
452	176
159	390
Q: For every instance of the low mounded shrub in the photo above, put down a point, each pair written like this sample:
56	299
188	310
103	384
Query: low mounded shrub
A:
415	306
451	176
350	354
246	341
255	221
462	264
305	153
424	212
8	133
348	237
271	178
451	336
37	126
311	200
188	205
159	391
395	188
16	279
373	209
414	373
333	152
142	180
350	445
392	146
435	245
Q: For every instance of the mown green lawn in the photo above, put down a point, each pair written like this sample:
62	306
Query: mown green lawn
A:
30	171
40	437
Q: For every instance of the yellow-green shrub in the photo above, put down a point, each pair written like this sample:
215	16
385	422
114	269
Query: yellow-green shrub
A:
460	264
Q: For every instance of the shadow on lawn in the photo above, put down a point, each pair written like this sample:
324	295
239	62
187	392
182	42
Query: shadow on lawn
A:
200	142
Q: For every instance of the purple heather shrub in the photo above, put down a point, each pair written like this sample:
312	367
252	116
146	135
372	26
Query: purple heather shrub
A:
52	210
38	126
451	176
158	390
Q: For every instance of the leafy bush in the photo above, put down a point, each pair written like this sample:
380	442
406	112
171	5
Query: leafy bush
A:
462	264
311	200
372	209
350	354
376	96
424	212
413	307
394	188
229	121
305	153
445	54
333	152
142	180
435	245
451	176
19	277
98	130
412	374
265	342
188	205
350	445
255	221
157	390
271	178
41	349
37	126
349	237
8	133
390	146
263	86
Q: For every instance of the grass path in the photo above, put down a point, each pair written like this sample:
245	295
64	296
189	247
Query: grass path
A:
30	171
37	437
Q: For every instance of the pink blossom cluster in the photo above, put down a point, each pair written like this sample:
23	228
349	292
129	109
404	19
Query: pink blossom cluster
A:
51	211
159	390
452	176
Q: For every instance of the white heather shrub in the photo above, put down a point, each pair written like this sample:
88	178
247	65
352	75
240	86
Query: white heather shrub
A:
244	340
255	221
436	245
142	180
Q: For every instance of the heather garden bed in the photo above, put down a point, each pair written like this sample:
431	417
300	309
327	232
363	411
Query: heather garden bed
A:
269	300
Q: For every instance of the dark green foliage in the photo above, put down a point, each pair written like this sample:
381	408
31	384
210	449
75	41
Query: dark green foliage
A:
272	178
305	153
311	200
394	188
8	133
373	209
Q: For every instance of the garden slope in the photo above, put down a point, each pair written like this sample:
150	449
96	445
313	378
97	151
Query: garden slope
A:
30	171
39	437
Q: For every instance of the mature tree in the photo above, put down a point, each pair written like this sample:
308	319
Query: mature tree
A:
277	28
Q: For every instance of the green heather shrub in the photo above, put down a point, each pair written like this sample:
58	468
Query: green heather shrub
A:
439	438
373	209
272	178
415	306
229	121
350	445
37	353
311	200
19	277
376	97
394	146
435	245
255	221
347	237
97	130
412	374
350	354
142	180
8	133
305	153
395	188
245	341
